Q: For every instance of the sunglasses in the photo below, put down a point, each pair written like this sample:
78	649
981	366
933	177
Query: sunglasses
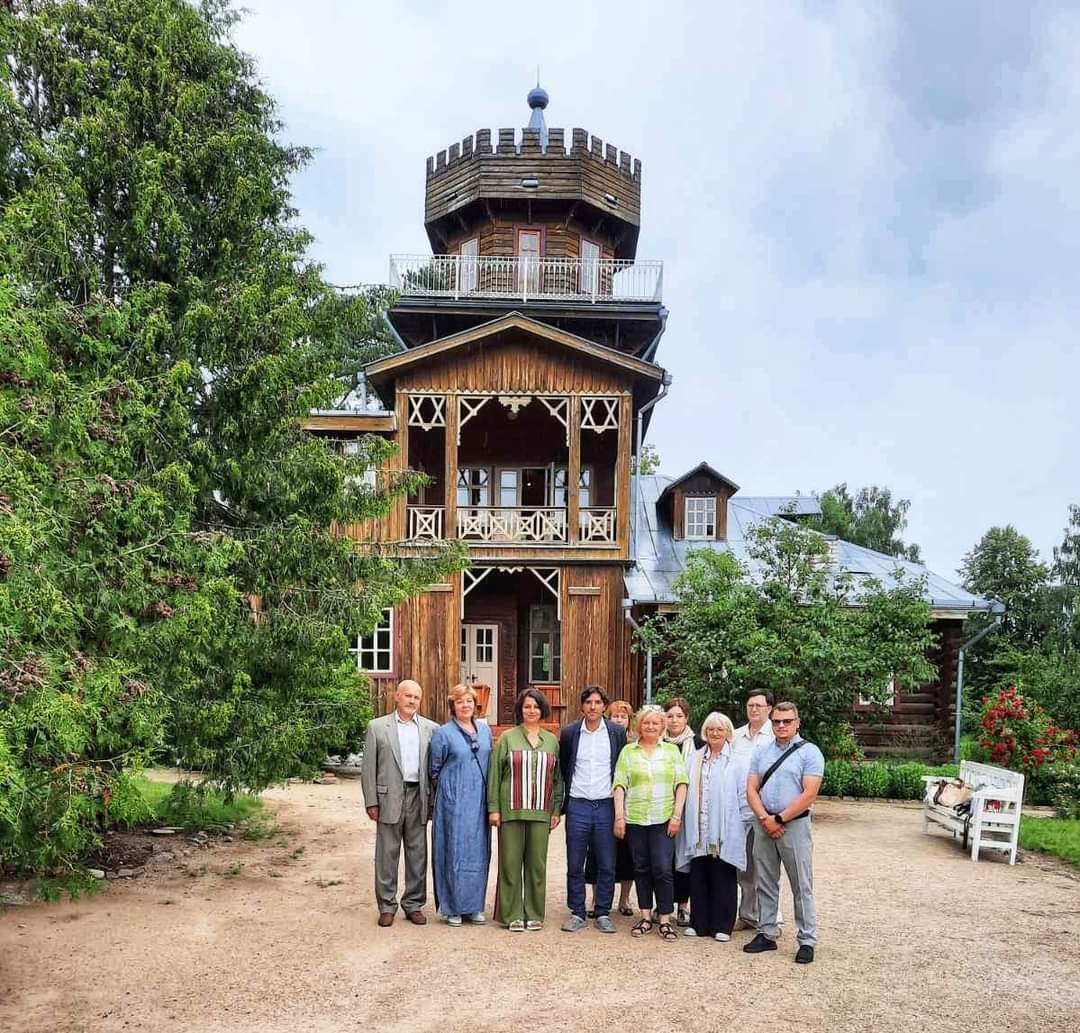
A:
784	720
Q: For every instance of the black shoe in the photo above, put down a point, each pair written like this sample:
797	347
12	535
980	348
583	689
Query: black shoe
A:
761	943
804	955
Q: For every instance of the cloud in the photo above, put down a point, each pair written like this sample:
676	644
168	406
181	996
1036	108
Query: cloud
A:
868	215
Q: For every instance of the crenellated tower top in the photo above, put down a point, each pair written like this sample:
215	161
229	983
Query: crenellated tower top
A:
538	168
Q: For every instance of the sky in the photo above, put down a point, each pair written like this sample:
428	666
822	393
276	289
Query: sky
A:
869	216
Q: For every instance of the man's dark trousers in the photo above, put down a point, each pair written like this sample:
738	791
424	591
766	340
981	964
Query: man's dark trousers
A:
590	824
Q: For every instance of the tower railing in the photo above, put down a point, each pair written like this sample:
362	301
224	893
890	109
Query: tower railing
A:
527	278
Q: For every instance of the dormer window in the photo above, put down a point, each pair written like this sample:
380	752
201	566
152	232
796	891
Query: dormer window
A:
701	517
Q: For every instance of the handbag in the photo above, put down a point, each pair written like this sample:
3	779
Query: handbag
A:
953	793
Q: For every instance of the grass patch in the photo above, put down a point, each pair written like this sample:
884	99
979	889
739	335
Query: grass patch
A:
1058	836
183	805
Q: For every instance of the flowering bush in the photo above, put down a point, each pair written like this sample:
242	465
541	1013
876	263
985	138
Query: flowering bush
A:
1019	734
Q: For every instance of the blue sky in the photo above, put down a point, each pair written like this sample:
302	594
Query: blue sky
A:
869	216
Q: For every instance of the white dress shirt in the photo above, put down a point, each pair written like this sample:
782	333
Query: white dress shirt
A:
746	741
592	768
408	733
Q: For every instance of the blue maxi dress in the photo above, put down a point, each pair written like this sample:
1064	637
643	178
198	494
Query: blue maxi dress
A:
460	834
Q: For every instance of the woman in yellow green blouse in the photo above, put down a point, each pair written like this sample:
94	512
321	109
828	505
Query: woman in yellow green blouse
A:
525	792
650	793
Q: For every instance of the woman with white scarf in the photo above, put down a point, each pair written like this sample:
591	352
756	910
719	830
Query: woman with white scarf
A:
679	733
712	842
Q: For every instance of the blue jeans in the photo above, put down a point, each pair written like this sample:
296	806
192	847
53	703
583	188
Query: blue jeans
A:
590	825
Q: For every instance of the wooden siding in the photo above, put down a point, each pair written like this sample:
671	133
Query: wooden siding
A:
495	234
578	173
920	723
592	630
510	361
501	610
428	632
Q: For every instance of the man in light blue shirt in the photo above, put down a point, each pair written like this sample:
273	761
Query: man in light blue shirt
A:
781	795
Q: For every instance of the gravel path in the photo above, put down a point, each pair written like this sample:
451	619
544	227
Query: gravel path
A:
913	937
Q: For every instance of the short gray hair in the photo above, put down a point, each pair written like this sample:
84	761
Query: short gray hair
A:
716	718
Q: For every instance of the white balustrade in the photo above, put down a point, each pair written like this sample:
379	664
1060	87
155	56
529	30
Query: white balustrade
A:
425	522
525	277
597	525
511	524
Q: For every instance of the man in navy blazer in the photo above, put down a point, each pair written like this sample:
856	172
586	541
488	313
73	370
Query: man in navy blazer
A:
588	750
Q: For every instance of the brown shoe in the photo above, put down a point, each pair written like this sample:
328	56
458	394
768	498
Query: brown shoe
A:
386	919
416	917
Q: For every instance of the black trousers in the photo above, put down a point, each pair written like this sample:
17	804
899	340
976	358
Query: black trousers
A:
653	851
681	884
714	896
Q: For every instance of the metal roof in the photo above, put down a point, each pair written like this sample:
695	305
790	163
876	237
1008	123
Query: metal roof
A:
660	558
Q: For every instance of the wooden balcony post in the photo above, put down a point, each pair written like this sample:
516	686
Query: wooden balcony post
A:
399	517
573	471
450	480
622	474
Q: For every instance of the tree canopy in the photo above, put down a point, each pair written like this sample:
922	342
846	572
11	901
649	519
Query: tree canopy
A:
792	626
162	332
870	517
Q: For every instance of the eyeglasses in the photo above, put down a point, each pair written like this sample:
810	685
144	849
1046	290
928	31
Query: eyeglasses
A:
784	720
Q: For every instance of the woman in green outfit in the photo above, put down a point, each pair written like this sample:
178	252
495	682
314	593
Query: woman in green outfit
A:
525	789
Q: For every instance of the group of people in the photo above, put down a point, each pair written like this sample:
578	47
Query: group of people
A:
701	824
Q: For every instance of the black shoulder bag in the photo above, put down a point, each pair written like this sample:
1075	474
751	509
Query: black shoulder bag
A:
793	748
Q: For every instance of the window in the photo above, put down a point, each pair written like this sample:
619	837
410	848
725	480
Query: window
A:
559	497
544	646
351	447
509	481
470	264
472	487
701	518
374	653
888	698
590	266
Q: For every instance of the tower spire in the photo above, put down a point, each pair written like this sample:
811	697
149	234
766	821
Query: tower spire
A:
538	100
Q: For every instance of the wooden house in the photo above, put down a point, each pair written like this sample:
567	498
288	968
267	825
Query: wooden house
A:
523	388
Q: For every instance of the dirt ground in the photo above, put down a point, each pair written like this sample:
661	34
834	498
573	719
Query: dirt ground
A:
280	937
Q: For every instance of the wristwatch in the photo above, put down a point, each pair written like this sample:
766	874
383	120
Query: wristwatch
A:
778	819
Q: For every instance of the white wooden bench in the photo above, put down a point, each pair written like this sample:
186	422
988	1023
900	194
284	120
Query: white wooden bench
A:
994	820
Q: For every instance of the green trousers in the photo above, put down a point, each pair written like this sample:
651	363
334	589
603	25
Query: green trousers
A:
522	871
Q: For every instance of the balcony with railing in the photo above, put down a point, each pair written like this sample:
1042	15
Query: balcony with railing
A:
518	525
528	278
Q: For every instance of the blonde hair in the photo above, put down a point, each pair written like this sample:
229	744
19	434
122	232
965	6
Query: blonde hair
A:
620	704
459	692
649	710
716	718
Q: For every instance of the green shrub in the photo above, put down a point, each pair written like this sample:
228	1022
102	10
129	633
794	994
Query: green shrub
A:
839	778
872	779
905	781
1065	791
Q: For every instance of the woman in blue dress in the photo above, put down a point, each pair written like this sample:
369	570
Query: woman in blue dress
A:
460	835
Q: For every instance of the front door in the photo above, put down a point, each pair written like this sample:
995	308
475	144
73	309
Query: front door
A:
480	662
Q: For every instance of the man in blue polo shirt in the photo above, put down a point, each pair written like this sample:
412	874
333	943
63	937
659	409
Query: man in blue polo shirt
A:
781	793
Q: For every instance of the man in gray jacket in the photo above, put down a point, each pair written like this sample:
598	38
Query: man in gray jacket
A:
396	794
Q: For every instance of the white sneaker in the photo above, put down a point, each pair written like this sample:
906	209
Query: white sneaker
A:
454	920
477	918
719	937
689	931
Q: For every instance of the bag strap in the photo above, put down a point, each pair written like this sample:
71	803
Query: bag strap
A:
793	748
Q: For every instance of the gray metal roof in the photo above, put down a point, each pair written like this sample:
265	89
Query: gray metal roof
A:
660	558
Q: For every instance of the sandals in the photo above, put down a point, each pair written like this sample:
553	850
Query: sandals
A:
626	912
667	932
682	918
516	926
642	928
533	926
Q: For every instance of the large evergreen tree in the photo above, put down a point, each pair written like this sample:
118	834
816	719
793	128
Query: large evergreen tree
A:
161	333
